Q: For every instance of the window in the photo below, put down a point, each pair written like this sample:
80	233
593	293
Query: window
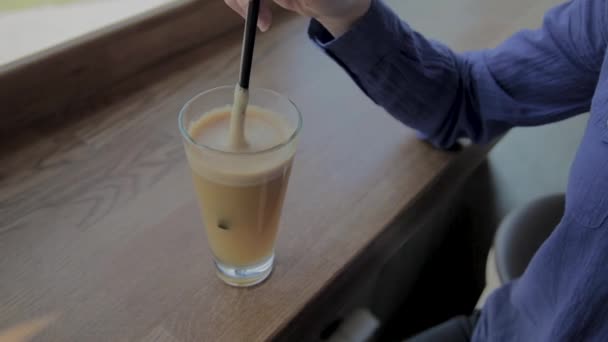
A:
30	26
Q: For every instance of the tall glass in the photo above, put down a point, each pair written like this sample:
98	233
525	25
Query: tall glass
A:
240	193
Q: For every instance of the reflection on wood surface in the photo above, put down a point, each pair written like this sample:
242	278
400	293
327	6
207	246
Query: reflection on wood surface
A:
25	331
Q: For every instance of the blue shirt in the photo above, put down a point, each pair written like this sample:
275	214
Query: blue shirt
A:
535	77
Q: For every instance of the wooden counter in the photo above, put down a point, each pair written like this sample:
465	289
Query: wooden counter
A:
100	233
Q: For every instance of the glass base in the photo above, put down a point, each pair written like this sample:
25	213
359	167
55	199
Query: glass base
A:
245	276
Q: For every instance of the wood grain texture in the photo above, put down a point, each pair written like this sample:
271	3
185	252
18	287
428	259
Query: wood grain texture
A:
99	226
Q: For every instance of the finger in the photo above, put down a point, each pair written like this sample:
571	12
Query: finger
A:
236	6
286	4
265	19
265	16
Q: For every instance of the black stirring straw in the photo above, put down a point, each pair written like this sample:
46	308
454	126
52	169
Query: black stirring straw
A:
241	93
246	60
249	43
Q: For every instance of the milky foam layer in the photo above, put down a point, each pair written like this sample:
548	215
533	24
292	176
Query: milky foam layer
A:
248	165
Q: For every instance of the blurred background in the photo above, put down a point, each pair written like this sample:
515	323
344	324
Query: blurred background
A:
30	26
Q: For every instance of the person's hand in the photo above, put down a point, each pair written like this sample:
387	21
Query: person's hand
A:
336	15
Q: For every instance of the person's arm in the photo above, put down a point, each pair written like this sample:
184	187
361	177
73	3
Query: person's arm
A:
535	77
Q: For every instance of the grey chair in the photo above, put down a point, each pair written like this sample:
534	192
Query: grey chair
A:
522	232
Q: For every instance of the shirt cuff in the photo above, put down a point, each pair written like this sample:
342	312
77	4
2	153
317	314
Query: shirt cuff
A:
378	33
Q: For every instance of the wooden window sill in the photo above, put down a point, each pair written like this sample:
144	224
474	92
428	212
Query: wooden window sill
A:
74	76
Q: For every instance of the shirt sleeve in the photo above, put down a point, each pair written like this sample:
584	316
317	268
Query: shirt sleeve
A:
534	77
